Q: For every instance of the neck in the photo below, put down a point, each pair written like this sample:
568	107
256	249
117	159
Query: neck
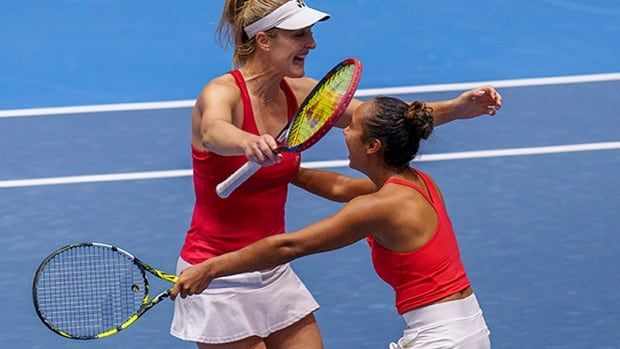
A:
262	80
380	174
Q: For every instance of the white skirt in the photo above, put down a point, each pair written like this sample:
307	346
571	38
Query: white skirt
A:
243	305
450	325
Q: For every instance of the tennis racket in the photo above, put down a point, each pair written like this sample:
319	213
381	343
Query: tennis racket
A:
315	116
93	290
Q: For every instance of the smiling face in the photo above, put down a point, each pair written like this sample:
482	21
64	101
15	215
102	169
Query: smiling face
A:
355	137
289	48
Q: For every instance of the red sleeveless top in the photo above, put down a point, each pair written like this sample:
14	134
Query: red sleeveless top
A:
430	272
254	211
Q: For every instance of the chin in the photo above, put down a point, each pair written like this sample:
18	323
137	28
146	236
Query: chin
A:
352	166
297	73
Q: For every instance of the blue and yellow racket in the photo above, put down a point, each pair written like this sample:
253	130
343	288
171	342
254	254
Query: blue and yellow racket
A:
316	115
93	290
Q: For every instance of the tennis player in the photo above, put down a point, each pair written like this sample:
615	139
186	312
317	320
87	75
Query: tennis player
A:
235	118
400	211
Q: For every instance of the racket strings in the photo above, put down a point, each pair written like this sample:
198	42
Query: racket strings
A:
88	290
321	106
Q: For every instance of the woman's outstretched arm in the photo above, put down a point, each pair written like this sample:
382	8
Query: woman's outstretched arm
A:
333	185
352	223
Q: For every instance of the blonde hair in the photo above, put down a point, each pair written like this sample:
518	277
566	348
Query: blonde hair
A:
237	15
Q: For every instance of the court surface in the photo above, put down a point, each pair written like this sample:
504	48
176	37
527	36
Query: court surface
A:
532	192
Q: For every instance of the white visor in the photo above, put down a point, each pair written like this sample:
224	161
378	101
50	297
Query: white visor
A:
292	15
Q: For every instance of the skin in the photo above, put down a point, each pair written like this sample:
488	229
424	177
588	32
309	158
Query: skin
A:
400	219
218	113
216	127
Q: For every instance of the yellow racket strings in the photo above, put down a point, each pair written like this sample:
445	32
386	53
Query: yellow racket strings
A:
321	106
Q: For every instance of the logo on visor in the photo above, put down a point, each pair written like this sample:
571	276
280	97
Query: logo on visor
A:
301	3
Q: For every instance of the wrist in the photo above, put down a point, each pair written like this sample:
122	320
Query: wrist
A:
444	111
207	270
245	143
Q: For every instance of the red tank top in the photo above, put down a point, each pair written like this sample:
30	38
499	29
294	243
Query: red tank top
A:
426	274
253	211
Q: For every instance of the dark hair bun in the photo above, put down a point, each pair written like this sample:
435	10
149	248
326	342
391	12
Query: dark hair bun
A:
419	119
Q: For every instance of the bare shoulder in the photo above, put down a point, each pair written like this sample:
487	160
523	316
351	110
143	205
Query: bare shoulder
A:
373	208
219	90
409	206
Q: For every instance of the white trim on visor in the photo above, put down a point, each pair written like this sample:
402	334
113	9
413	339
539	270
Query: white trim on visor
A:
291	15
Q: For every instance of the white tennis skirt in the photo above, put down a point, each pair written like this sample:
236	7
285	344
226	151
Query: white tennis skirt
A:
243	305
450	325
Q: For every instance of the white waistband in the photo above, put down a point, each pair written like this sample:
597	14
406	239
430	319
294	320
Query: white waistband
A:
457	309
246	280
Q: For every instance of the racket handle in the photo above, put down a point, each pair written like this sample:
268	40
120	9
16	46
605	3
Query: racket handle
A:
226	187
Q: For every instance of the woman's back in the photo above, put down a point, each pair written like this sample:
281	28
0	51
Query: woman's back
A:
432	269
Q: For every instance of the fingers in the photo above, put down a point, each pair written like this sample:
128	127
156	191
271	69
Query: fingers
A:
490	99
495	96
174	292
479	92
262	151
180	289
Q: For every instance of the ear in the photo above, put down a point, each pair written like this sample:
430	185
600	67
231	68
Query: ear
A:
263	41
373	146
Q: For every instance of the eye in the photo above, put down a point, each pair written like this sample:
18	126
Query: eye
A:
303	32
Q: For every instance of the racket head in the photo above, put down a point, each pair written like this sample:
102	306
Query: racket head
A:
89	290
324	105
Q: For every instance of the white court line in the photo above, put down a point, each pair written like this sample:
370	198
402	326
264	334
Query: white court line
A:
560	80
102	108
314	164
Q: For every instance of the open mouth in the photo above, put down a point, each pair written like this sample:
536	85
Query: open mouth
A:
299	60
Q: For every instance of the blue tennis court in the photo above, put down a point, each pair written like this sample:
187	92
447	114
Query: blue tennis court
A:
532	192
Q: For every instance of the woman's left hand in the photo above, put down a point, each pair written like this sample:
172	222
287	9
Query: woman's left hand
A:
478	101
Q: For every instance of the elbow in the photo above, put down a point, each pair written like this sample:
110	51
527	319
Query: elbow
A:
207	145
207	140
210	143
287	248
208	136
289	253
339	195
341	191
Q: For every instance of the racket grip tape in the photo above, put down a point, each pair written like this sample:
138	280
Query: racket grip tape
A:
226	187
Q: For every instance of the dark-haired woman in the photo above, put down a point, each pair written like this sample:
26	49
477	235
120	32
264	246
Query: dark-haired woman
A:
401	213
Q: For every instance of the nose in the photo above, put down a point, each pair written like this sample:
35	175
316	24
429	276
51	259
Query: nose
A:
311	44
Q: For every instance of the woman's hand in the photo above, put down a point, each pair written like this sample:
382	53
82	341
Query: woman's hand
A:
192	280
478	101
261	150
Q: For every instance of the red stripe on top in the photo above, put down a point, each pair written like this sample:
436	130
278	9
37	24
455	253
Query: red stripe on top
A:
430	272
254	211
